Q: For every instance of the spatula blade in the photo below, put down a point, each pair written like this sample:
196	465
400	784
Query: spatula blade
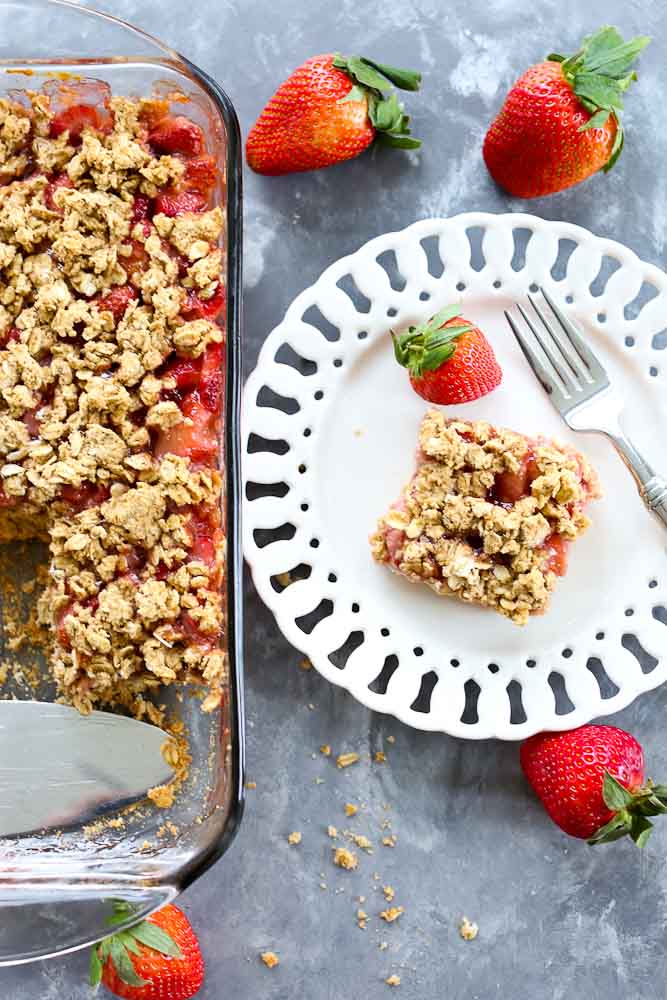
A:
59	768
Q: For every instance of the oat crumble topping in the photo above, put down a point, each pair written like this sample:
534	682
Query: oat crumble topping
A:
270	959
111	390
294	838
346	759
487	516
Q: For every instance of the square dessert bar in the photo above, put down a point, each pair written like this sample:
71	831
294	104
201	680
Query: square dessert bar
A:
488	515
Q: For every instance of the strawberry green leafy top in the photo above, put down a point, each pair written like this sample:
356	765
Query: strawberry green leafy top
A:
385	111
599	74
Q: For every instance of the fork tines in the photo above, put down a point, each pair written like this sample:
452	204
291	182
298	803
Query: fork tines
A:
555	350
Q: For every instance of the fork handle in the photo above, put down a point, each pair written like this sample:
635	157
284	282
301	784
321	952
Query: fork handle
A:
652	487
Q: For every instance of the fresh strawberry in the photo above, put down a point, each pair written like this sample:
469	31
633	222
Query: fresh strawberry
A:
449	359
200	173
196	308
560	122
176	204
177	135
591	782
60	181
117	301
328	110
158	959
76	118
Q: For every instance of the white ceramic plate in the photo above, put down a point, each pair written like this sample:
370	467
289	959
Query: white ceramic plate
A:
325	456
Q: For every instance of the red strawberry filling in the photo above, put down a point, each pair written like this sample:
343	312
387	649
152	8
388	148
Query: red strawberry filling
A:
556	548
84	496
77	118
200	174
509	487
176	203
196	308
117	301
59	181
177	135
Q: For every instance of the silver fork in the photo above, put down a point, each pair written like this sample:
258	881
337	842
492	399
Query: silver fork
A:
579	388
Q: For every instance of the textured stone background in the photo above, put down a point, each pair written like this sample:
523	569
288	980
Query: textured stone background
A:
557	919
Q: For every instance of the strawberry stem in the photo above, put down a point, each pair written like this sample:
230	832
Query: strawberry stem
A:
599	74
371	79
427	347
631	811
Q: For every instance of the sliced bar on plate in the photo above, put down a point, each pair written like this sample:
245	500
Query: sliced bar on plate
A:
488	515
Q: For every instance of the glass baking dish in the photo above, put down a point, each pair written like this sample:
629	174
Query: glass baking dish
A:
57	889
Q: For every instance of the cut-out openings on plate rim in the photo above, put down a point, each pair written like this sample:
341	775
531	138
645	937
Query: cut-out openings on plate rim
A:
360	301
389	264
517	711
566	248
422	702
607	687
281	581
562	699
431	247
472	692
315	317
308	621
340	656
646	660
380	683
266	536
286	355
269	398
256	491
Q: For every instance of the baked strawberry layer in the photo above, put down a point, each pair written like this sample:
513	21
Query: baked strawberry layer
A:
111	385
488	516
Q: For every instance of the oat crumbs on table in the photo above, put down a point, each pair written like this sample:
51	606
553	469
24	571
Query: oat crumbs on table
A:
111	393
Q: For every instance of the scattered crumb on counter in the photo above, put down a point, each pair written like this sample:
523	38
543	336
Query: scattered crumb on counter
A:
363	842
162	796
319	781
390	841
358	433
391	739
332	832
379	757
389	892
251	784
346	759
383	946
391	914
323	885
468	930
294	838
284	579
270	959
393	980
361	899
325	749
351	810
305	664
345	859
311	707
362	919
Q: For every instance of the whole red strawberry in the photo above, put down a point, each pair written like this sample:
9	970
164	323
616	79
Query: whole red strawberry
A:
449	359
158	959
560	122
330	109
591	782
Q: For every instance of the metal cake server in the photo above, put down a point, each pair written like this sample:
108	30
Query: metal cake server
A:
581	391
59	768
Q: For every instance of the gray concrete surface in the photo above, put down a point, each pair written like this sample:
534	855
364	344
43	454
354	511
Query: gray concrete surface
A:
557	919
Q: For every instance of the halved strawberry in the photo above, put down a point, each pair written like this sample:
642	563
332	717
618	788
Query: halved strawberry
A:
117	301
196	308
76	118
200	173
59	181
177	135
177	204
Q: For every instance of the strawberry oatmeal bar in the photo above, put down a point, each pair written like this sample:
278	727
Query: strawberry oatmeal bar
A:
111	387
488	515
